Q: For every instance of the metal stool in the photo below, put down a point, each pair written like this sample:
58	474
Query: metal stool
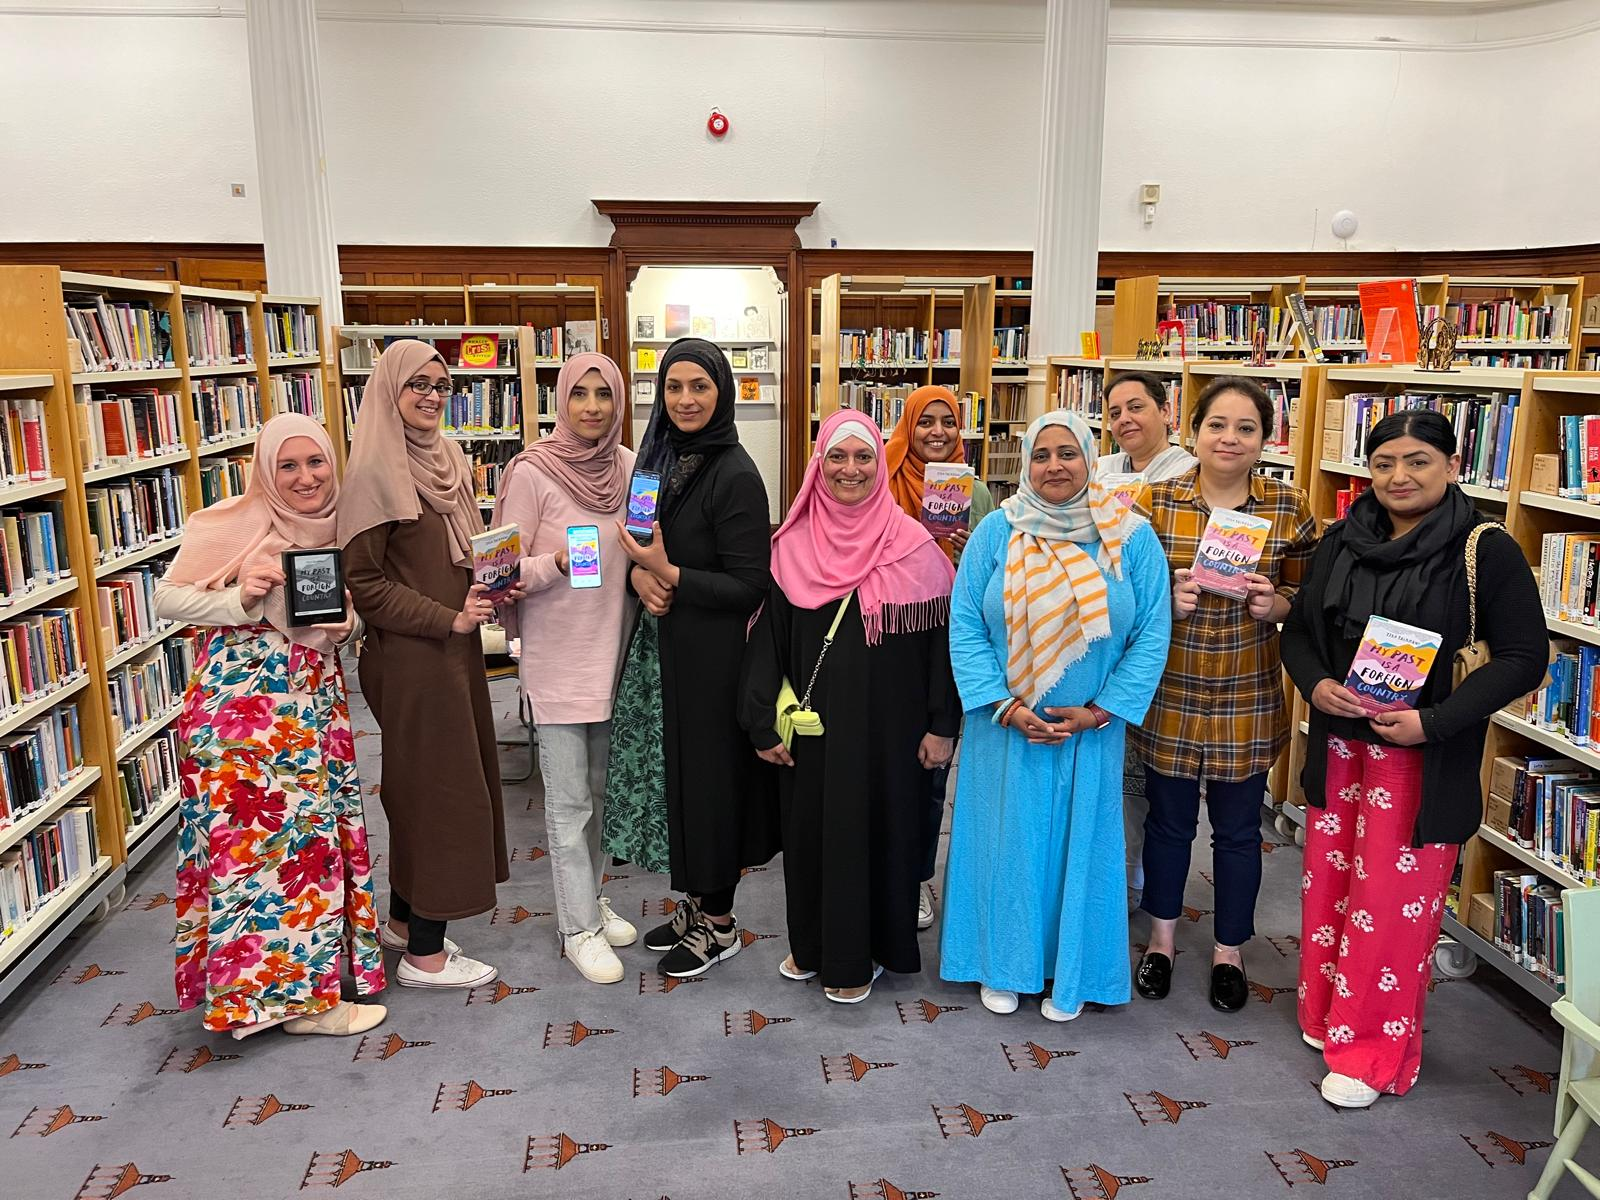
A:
525	715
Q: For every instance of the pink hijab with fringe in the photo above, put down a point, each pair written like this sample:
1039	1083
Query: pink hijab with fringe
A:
826	549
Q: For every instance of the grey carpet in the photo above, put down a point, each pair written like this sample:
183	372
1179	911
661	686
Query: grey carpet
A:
740	1084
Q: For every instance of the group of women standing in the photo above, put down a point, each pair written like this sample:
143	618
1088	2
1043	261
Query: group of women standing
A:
1064	633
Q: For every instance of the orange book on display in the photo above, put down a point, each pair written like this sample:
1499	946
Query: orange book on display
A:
1389	320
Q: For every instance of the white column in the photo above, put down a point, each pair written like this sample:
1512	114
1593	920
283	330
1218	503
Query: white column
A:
286	90
1066	248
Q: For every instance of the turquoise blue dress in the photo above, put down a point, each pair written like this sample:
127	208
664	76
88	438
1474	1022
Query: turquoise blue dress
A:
1034	886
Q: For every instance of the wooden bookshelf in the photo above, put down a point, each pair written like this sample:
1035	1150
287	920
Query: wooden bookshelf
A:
37	362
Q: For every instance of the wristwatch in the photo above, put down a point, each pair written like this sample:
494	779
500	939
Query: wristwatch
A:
1101	717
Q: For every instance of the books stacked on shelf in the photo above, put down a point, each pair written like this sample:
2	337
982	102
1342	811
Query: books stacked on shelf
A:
148	776
883	347
1285	396
126	603
1082	390
1569	576
1336	323
1010	343
1528	925
1003	463
130	514
123	427
148	689
486	407
883	402
37	759
1537	360
222	478
225	410
1010	402
1346	496
549	344
39	652
1233	324
1569	704
1512	320
218	335
1578	457
118	335
352	405
946	346
973	410
24	448
47	861
1550	806
291	331
547	400
489	461
34	548
296	392
1484	427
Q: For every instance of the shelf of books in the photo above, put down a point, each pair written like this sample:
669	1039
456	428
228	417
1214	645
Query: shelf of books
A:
130	403
1294	386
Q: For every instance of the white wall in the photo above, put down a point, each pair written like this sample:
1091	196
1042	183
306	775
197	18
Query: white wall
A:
913	123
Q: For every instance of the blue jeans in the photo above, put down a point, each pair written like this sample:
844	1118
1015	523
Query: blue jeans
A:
1169	829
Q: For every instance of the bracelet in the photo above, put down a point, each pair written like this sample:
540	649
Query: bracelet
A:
1002	713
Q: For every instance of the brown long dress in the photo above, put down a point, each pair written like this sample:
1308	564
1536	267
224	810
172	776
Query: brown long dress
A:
428	691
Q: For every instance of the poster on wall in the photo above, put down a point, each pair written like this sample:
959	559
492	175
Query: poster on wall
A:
677	320
704	326
754	325
644	328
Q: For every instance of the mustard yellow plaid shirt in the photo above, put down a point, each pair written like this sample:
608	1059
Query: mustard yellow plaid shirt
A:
1219	710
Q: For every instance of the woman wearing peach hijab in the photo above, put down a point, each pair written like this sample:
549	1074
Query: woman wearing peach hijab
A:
273	875
929	431
406	523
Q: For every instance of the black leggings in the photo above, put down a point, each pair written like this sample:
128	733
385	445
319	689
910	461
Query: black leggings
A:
718	903
426	936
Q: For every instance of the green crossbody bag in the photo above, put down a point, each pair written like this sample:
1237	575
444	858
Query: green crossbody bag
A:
794	715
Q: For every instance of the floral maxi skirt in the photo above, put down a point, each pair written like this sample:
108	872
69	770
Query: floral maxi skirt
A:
274	881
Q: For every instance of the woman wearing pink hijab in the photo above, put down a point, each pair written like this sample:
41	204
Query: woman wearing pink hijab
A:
573	639
274	884
857	616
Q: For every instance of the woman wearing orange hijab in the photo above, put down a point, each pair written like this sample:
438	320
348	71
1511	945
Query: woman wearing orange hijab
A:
930	431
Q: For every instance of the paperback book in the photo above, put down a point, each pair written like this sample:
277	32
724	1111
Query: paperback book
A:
1391	665
496	556
1229	550
947	497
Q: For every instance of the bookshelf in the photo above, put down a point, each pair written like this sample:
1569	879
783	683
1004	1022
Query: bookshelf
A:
126	463
1524	323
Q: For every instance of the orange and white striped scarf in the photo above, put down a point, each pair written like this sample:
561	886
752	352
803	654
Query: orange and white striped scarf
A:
1056	599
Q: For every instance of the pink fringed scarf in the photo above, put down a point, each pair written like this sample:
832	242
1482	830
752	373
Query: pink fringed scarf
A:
825	549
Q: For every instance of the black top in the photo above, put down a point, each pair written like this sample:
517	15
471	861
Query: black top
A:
1510	619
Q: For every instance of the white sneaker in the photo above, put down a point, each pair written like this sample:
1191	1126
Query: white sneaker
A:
1314	1043
925	906
1049	1011
592	954
1345	1092
458	971
997	1000
617	931
391	940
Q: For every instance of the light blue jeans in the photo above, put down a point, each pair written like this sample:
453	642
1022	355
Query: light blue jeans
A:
572	762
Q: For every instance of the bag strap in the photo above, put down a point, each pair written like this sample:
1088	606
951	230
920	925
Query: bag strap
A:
1472	575
805	701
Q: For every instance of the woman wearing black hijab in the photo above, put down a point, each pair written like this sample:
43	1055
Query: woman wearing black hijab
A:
700	580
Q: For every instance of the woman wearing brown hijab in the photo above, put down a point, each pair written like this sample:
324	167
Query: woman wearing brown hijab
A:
406	520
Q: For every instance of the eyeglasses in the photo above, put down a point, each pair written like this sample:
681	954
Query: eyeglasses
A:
422	387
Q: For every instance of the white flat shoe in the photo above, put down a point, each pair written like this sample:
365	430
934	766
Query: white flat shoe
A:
1049	1011
459	971
1314	1043
925	906
856	996
1345	1092
617	931
997	1000
592	954
390	940
789	971
342	1020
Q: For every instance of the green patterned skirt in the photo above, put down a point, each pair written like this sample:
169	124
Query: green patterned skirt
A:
635	826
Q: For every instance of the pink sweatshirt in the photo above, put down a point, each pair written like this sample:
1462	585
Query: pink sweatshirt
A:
572	638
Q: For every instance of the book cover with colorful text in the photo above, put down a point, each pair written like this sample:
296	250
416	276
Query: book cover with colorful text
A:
1391	665
1230	549
496	559
947	497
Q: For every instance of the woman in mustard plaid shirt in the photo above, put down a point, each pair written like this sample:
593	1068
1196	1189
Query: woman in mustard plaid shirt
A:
1219	713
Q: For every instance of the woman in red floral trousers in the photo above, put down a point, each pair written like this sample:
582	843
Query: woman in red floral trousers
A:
1393	795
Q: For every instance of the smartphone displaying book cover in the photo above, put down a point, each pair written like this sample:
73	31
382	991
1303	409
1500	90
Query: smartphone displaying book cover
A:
497	559
583	556
947	497
313	590
644	491
1230	549
1391	665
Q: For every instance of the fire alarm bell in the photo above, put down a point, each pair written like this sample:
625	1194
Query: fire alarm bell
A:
717	125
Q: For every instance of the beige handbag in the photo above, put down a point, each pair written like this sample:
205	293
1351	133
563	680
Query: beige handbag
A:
1475	653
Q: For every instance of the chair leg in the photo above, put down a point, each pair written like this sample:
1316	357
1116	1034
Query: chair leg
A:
1566	1146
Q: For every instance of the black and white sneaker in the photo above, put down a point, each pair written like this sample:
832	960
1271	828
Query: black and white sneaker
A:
664	937
701	949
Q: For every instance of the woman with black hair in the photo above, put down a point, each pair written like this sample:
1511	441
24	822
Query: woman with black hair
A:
1397	793
700	580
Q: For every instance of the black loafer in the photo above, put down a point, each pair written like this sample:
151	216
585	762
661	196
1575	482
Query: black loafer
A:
1153	979
1229	988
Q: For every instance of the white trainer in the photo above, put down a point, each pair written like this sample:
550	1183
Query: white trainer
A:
925	906
1049	1011
1314	1042
592	954
1345	1092
997	1000
391	940
617	931
458	971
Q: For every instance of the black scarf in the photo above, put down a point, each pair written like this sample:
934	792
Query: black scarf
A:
1398	578
678	456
